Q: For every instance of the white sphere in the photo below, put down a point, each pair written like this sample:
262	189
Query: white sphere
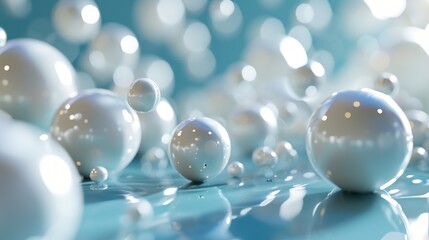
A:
235	169
360	140
97	128
3	37
419	122
76	21
387	83
199	149
253	126
264	156
99	174
41	192
35	79
144	95
157	126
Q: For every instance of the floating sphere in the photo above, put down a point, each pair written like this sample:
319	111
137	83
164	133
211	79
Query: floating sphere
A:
264	156
98	174
235	169
157	126
199	149
41	192
360	140
97	128
387	83
3	37
285	152
76	21
253	126
158	70
144	95
35	79
154	162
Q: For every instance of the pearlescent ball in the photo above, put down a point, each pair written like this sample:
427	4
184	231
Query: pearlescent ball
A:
252	126
199	149
264	156
157	126
144	95
97	128
99	174
76	21
360	140
387	83
35	79
3	37
235	169
41	193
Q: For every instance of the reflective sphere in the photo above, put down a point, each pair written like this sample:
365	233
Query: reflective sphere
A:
387	83
235	169
3	37
97	128
360	140
253	126
199	149
264	156
35	79
76	21
157	126
144	95
41	192
98	174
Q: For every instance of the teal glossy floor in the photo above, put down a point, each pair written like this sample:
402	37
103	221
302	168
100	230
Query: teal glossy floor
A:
293	204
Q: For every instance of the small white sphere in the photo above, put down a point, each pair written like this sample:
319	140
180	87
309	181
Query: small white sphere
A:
387	83
98	174
35	79
199	149
154	162
253	126
76	21
235	169
264	156
97	128
144	95
3	37
360	140
41	192
285	152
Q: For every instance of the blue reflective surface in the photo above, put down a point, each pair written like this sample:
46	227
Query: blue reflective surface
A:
294	204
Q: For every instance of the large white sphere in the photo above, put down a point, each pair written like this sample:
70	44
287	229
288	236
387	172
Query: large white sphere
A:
40	186
199	149
76	21
97	128
157	126
360	140
35	79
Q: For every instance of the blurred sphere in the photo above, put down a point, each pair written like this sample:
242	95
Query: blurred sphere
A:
252	126
225	16
115	46
157	126
387	83
76	21
235	169
144	95
17	8
264	156
305	81
159	71
419	122
98	174
97	128
154	162
285	152
3	37
419	156
199	149
35	80
44	175
360	140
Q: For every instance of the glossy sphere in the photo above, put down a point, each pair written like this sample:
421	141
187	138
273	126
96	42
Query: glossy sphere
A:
199	149
41	192
3	37
264	156
97	128
98	174
387	83
76	21
157	126
252	126
235	169
35	79
360	140
144	95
